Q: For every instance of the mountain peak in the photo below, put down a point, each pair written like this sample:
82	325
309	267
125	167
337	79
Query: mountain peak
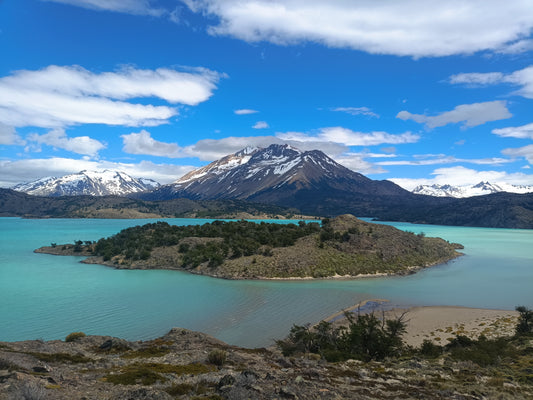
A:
86	182
275	174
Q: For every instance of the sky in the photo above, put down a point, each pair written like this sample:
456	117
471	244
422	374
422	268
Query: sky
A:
417	91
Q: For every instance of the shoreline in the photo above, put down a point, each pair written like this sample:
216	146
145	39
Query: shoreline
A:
59	250
440	323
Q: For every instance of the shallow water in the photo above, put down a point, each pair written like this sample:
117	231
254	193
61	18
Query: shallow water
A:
44	296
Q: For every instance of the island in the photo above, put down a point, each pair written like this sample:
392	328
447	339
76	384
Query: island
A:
341	247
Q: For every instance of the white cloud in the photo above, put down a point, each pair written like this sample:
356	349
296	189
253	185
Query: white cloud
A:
213	149
526	152
136	7
356	162
418	28
476	78
517	47
59	96
523	78
260	125
470	114
58	139
8	135
143	143
14	172
520	132
348	137
356	111
433	159
245	111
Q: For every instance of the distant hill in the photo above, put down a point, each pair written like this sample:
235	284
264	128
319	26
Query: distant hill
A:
88	183
479	189
17	204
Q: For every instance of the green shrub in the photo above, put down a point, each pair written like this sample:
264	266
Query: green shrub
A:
430	349
217	357
525	320
72	337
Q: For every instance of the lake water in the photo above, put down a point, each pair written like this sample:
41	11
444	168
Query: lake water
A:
47	297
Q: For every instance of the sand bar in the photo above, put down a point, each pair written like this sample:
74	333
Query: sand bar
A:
440	323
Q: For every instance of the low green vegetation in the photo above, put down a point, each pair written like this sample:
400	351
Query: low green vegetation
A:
217	357
71	337
239	238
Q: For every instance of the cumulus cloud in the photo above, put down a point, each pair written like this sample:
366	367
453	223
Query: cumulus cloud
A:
260	125
469	114
348	137
135	7
522	78
18	171
143	143
58	138
525	152
461	176
418	28
8	135
356	111
59	96
245	111
520	132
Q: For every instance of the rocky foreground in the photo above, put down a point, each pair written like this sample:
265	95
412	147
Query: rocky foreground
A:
191	365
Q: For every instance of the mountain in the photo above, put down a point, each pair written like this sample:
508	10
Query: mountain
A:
482	188
92	183
278	174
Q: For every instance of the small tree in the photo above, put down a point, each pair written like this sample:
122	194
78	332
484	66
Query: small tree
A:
525	321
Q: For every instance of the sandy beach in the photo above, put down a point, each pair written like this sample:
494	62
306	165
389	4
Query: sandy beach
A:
440	323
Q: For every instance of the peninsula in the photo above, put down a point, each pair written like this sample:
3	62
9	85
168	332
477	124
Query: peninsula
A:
342	247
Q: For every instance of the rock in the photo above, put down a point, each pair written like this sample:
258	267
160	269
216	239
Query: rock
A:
144	394
226	380
115	344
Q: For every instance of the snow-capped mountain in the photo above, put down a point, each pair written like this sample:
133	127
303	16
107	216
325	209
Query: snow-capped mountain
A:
93	183
279	174
479	189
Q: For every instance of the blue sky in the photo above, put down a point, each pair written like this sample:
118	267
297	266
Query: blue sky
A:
418	91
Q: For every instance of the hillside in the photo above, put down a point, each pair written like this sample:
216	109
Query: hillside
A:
341	247
17	204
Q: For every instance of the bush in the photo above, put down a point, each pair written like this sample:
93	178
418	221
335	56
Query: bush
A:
71	337
430	349
217	357
525	321
366	338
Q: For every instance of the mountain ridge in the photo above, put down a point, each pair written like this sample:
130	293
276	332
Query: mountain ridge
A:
479	189
92	183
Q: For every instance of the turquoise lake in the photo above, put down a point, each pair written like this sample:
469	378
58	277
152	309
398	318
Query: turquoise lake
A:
47	297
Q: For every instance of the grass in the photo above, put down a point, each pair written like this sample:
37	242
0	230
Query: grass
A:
61	357
150	373
147	352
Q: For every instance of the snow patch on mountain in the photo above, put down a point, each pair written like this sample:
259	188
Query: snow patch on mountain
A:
479	189
92	183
